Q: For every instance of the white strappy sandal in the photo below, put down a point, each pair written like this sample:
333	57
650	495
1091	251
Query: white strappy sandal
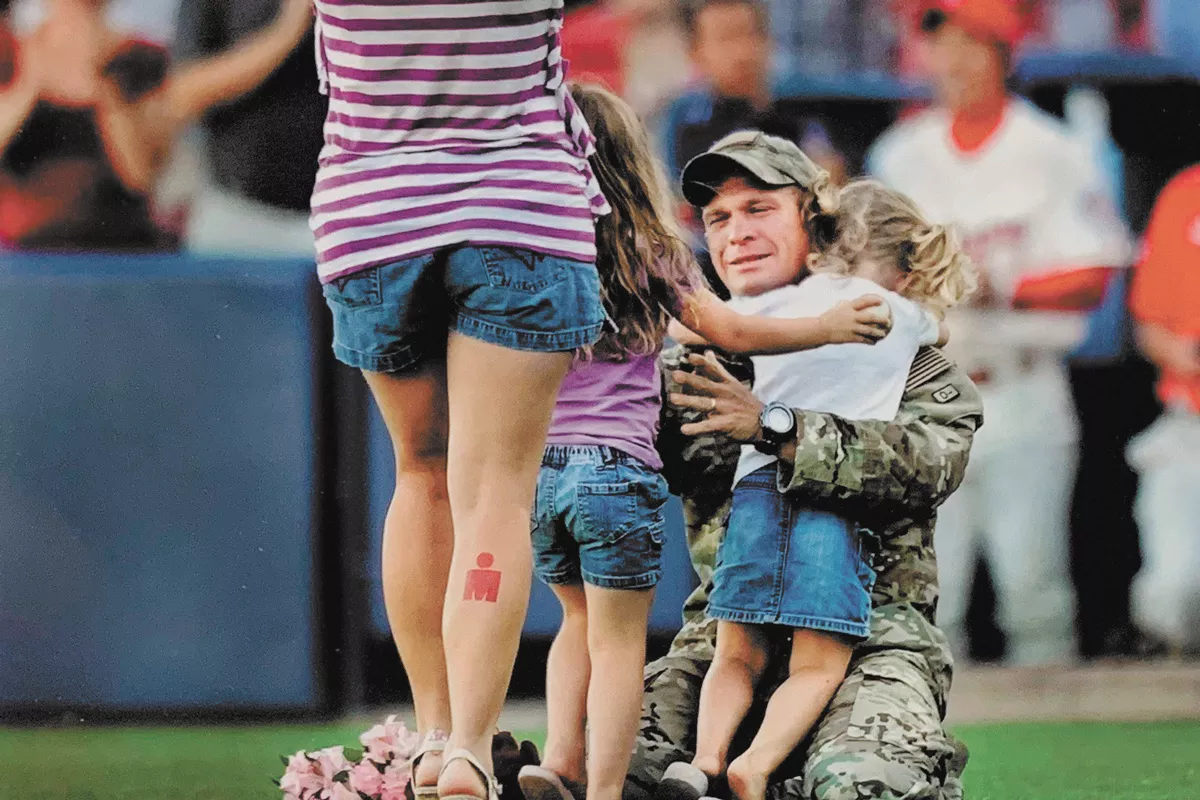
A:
493	788
434	742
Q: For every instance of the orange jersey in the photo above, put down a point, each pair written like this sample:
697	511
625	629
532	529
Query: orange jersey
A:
1166	286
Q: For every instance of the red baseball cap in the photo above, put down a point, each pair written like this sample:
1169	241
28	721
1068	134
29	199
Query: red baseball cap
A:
988	20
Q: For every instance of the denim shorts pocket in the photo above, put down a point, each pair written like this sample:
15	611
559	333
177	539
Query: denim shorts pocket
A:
608	511
356	290
521	270
653	495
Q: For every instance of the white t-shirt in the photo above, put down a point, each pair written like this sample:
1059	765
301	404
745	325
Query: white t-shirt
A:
1029	203
853	381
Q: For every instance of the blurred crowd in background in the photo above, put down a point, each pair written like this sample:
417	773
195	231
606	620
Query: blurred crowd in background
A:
157	125
153	124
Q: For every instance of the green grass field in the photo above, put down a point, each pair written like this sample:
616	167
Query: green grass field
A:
1008	762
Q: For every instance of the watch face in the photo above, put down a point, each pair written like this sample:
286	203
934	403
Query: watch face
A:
778	419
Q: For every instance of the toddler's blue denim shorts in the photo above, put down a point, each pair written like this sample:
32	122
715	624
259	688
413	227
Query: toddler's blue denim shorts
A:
783	564
598	518
395	317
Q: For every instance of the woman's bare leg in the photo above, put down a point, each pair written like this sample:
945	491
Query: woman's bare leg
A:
727	692
500	404
567	675
418	541
815	671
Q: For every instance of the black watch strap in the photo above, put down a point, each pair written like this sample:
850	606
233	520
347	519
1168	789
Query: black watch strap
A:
777	427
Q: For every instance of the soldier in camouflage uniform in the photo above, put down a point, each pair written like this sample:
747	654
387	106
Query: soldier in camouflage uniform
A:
881	736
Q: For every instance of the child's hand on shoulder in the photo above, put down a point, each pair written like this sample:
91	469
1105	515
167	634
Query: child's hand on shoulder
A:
863	320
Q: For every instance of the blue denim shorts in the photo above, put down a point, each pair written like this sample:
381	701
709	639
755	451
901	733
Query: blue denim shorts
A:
395	317
598	518
783	564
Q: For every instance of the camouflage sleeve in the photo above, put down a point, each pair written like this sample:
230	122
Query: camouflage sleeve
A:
905	467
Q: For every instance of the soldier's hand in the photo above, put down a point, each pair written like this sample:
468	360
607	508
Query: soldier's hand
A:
731	408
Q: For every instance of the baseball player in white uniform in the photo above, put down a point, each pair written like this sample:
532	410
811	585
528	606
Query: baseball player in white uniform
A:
1038	221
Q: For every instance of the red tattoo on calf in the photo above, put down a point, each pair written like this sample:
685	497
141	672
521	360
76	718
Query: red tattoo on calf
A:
483	583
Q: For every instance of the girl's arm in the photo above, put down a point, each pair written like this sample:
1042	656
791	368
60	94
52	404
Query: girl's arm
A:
852	321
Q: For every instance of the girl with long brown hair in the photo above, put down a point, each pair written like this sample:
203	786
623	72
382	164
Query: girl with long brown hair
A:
598	516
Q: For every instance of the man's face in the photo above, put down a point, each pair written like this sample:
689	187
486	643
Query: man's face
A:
966	71
755	236
731	48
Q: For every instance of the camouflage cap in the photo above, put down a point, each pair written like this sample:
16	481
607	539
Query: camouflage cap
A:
770	159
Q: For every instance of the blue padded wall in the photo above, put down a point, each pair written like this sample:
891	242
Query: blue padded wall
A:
157	483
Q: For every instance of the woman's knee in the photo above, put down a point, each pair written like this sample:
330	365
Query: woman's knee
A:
415	411
421	475
491	485
421	446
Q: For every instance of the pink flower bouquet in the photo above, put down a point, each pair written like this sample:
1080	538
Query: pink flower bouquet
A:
380	771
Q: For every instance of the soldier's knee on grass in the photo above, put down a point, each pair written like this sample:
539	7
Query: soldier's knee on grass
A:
882	737
879	771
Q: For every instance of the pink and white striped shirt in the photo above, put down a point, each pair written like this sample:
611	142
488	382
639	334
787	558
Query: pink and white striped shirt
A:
449	123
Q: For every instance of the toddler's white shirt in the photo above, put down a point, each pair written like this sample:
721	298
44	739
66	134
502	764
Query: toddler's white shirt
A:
853	381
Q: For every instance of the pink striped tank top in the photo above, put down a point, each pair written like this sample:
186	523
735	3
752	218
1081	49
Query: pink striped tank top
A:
449	123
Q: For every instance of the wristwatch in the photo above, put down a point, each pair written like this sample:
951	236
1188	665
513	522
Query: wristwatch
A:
777	425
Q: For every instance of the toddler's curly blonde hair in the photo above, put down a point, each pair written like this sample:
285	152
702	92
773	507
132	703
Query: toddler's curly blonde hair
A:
877	223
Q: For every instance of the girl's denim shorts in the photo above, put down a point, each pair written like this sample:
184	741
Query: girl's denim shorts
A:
598	518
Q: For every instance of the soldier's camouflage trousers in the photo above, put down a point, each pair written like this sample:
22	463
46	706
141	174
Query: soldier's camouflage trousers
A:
880	738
